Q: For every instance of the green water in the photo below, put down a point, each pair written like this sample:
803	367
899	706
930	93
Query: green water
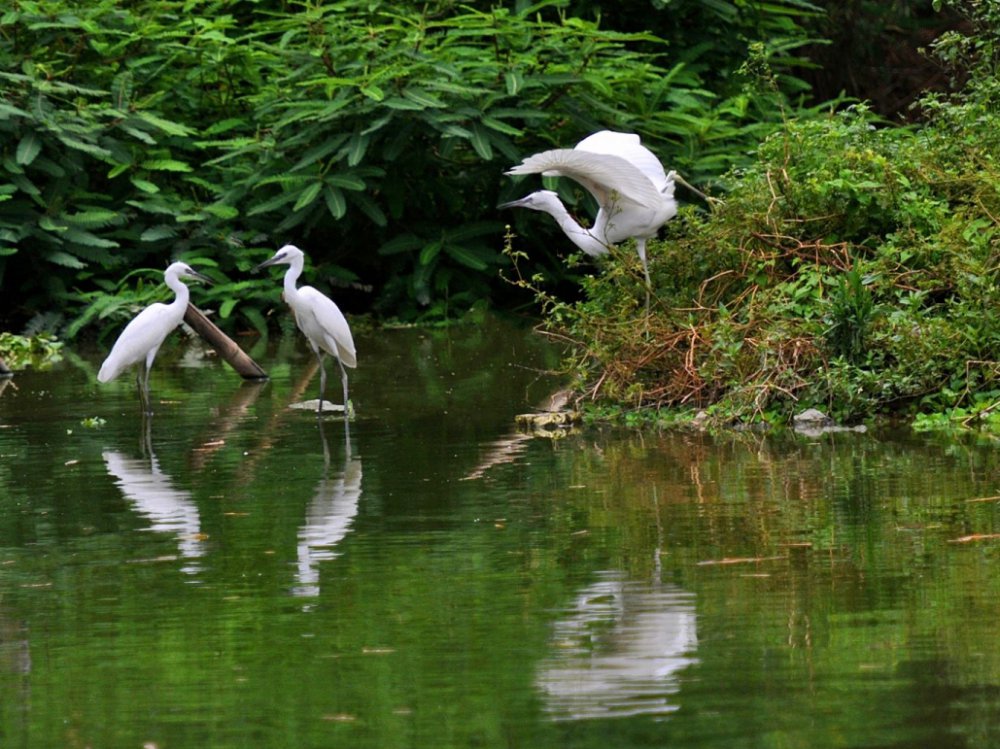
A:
242	577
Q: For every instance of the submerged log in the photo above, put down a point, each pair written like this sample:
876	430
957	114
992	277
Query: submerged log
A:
236	357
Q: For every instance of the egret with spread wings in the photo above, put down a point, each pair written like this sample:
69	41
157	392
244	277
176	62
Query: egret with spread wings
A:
634	194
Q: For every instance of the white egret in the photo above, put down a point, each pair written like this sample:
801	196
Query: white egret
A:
144	335
634	194
319	319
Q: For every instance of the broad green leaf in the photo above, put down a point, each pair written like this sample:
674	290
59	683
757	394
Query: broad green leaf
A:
466	257
167	126
481	142
335	202
140	135
225	126
29	147
158	233
87	148
401	243
425	99
49	224
93	218
321	151
308	196
65	259
156	206
86	238
273	203
399	103
166	165
221	210
369	208
145	185
7	111
514	81
356	149
25	185
429	252
501	127
346	180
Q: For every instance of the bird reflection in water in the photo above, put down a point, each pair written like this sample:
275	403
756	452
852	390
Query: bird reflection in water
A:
154	496
328	517
618	649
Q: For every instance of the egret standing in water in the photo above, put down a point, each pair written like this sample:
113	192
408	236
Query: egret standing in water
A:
634	194
319	319
144	335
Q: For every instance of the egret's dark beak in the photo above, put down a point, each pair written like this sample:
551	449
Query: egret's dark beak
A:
268	263
511	204
200	277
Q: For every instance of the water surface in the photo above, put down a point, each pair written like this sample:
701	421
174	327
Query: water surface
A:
241	575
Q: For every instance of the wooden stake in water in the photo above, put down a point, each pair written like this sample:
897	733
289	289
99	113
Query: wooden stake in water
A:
227	348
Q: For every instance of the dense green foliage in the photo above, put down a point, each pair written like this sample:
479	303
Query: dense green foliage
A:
852	267
373	134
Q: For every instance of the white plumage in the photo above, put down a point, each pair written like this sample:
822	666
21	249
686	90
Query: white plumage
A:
322	322
145	333
634	194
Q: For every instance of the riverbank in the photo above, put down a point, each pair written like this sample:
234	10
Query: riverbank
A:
853	268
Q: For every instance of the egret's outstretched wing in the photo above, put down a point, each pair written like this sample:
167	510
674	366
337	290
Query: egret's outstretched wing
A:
628	147
319	313
600	173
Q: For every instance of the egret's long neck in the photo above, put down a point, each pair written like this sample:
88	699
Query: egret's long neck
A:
181	290
586	240
292	276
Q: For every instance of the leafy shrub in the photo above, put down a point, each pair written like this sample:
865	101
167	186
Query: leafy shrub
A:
373	134
852	268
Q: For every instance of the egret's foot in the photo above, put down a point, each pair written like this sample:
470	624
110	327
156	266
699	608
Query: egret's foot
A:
313	405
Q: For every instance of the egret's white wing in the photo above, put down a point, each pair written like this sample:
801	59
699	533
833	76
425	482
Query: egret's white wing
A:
628	147
600	173
319	313
147	330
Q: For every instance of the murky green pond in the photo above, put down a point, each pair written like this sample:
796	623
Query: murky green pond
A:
248	578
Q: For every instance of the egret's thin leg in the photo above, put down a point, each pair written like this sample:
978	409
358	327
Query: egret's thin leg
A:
322	382
142	383
145	385
343	379
641	245
142	393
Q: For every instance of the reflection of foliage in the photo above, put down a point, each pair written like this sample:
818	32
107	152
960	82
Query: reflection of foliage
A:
38	351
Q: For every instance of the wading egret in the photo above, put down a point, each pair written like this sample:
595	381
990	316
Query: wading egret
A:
144	335
319	319
634	195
